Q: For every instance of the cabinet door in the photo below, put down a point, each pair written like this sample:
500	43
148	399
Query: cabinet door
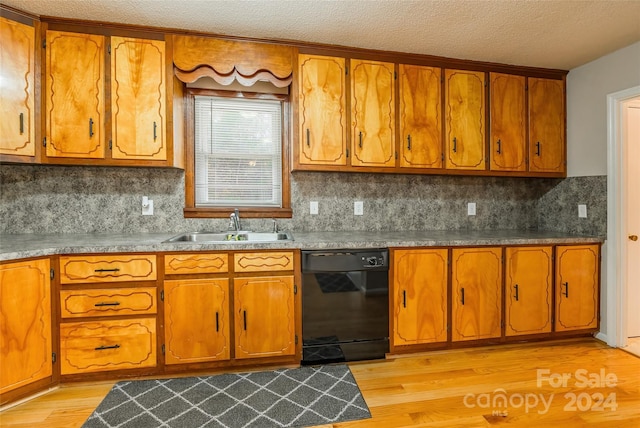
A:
17	117
419	296
420	117
264	316
74	95
25	324
196	320
508	115
138	105
528	290
577	287
546	125
464	120
322	111
476	285
373	113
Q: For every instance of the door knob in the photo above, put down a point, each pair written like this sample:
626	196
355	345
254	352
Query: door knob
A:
633	237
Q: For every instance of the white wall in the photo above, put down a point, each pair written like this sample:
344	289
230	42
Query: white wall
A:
587	90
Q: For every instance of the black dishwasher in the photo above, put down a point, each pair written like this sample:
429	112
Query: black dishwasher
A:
345	305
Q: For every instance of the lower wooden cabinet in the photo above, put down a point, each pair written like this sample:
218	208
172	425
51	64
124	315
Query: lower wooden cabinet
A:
528	290
25	324
577	287
476	287
264	317
196	314
95	346
419	296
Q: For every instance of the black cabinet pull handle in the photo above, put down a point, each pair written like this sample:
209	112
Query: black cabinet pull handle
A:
516	287
244	316
455	145
499	144
107	304
102	348
404	298
90	127
566	290
408	142
308	138
21	123
217	324
462	294
155	131
360	136
107	270
538	148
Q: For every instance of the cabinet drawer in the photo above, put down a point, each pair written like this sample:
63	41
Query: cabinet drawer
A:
107	345
116	268
175	264
108	302
263	261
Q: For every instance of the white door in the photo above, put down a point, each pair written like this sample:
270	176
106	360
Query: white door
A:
631	123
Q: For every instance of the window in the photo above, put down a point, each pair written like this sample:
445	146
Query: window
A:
237	162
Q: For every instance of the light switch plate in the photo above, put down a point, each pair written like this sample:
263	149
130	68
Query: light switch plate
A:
313	207
358	208
471	208
582	211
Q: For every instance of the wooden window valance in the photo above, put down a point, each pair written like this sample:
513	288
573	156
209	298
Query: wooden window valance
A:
226	60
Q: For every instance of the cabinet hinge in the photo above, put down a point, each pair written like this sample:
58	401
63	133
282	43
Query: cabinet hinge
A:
52	273
163	349
44	142
296	339
109	49
295	289
110	144
396	155
44	43
162	295
485	83
347	152
442	157
54	358
395	75
346	71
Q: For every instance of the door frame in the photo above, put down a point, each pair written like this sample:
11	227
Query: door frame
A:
616	252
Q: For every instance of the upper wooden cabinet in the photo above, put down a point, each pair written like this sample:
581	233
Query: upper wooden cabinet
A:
420	124
464	119
138	99
373	113
547	145
74	95
507	122
322	111
17	70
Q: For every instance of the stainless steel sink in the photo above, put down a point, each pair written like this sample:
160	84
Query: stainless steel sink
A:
231	237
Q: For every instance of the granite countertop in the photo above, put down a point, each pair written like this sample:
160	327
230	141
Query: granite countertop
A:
19	246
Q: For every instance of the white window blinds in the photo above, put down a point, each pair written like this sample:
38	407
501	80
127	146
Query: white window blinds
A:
238	152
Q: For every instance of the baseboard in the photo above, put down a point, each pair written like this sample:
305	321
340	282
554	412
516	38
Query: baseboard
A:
603	338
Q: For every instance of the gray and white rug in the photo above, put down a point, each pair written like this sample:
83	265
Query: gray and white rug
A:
299	397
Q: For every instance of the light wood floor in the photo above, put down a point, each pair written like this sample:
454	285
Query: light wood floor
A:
455	388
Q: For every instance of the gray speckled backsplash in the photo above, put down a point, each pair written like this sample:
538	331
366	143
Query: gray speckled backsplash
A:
61	199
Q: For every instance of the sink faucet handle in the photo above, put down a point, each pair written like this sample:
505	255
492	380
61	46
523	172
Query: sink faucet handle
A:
275	225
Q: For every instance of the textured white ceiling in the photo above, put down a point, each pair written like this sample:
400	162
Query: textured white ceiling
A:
560	34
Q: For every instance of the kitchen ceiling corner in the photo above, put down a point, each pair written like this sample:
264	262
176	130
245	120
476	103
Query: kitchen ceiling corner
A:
558	34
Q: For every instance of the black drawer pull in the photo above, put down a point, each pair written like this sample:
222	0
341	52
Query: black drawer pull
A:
107	304
107	270
102	348
404	298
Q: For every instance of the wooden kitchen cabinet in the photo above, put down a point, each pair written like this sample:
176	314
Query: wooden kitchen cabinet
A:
263	261
419	290
464	119
264	317
528	290
17	68
74	95
373	117
138	99
420	114
196	313
476	287
507	126
25	325
196	263
547	145
322	111
577	287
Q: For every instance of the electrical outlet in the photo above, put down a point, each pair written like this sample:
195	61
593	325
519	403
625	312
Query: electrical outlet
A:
582	211
471	208
313	207
147	206
358	208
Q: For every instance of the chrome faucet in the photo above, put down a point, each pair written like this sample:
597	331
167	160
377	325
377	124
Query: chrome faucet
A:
235	219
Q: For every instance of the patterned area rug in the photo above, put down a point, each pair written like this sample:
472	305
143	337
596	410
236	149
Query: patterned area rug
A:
299	397
335	283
